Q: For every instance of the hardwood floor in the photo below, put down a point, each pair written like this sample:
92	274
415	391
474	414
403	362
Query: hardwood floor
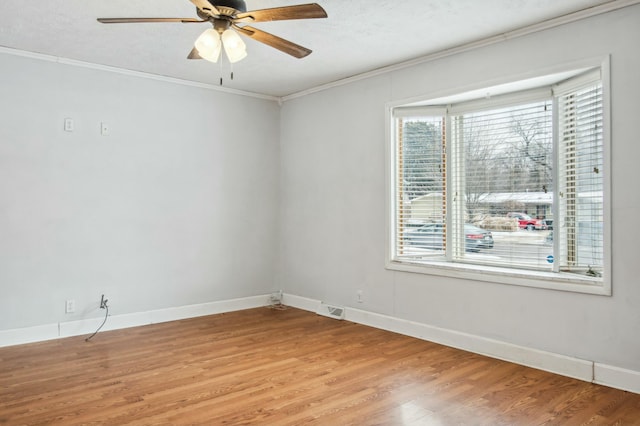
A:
290	367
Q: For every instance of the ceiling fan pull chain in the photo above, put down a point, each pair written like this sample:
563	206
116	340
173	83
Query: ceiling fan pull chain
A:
221	61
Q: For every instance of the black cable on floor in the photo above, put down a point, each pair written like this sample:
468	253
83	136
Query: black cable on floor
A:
103	322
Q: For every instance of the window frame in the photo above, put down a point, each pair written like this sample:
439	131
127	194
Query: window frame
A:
555	280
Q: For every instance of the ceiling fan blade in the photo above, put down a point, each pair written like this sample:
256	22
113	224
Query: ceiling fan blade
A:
281	44
139	20
194	54
301	11
206	7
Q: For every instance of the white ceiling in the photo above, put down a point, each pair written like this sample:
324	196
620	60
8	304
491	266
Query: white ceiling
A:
358	36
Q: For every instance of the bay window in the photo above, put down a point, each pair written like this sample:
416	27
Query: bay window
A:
508	188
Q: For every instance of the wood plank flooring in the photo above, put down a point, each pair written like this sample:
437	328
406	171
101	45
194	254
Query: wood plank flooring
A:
285	367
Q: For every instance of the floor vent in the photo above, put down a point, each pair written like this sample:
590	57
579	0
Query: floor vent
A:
331	311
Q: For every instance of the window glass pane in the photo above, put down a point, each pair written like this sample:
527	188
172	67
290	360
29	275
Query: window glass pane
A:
506	178
420	195
581	181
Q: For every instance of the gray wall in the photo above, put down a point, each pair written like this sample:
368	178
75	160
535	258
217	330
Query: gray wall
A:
177	206
333	210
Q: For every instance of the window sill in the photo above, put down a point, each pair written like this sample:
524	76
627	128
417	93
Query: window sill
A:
561	281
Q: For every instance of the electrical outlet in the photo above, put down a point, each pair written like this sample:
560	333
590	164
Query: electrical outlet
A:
70	306
103	302
359	295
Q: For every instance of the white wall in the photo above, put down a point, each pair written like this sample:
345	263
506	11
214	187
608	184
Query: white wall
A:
333	200
177	206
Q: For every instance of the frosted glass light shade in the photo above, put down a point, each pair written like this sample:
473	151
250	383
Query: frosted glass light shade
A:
233	46
209	45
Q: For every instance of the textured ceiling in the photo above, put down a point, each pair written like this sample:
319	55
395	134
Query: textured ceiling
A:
358	36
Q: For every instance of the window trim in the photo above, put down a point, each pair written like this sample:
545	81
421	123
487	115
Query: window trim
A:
562	281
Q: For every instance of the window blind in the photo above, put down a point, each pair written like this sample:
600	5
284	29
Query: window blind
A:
580	232
420	197
504	183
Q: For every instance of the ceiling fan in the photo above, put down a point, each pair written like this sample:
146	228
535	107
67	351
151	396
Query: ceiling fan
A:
224	16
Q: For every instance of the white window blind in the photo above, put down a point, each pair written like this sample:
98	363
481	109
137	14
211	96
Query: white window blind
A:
580	232
420	198
504	177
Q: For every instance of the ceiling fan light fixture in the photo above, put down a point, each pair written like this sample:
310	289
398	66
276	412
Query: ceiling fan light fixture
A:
225	15
234	47
209	45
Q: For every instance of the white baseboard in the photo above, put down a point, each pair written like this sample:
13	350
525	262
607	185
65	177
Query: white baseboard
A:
586	370
616	377
300	302
581	369
115	322
37	333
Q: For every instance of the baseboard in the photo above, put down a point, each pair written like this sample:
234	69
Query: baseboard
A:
20	336
589	371
548	361
616	377
116	322
581	369
300	302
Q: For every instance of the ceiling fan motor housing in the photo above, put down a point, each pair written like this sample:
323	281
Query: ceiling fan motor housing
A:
238	5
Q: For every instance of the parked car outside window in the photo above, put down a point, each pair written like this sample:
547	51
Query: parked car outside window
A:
527	222
431	236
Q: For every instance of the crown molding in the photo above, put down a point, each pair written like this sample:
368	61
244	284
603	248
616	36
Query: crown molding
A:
138	74
520	32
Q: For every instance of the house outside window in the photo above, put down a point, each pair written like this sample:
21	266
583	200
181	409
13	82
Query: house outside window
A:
510	188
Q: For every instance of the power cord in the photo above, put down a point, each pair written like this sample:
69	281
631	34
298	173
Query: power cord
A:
103	305
278	307
276	302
